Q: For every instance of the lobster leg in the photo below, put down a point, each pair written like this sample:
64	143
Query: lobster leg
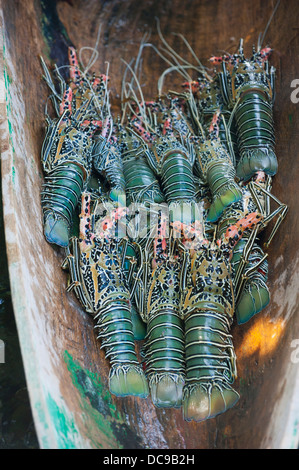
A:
280	212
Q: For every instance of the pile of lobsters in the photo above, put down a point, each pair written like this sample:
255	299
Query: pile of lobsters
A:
160	212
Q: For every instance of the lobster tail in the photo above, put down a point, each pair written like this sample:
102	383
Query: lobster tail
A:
116	334
141	183
256	139
164	358
255	295
178	185
61	192
210	365
164	343
140	180
177	177
218	171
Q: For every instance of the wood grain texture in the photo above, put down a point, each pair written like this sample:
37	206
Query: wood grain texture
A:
65	369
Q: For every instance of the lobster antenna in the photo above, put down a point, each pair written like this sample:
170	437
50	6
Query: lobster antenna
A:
48	79
61	80
180	68
202	68
194	112
106	94
106	103
214	235
175	56
92	60
130	86
124	96
261	39
146	36
138	65
129	129
176	68
149	44
94	55
151	119
133	97
241	50
229	140
232	114
185	64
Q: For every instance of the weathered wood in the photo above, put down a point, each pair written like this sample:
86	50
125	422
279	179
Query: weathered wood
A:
65	369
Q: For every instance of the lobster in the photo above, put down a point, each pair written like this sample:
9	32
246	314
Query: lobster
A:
176	281
99	282
163	350
156	290
207	307
248	91
67	148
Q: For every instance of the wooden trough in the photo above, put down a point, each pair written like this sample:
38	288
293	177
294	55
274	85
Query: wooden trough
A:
65	369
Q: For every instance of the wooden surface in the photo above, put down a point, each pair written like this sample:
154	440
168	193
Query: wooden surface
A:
65	369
